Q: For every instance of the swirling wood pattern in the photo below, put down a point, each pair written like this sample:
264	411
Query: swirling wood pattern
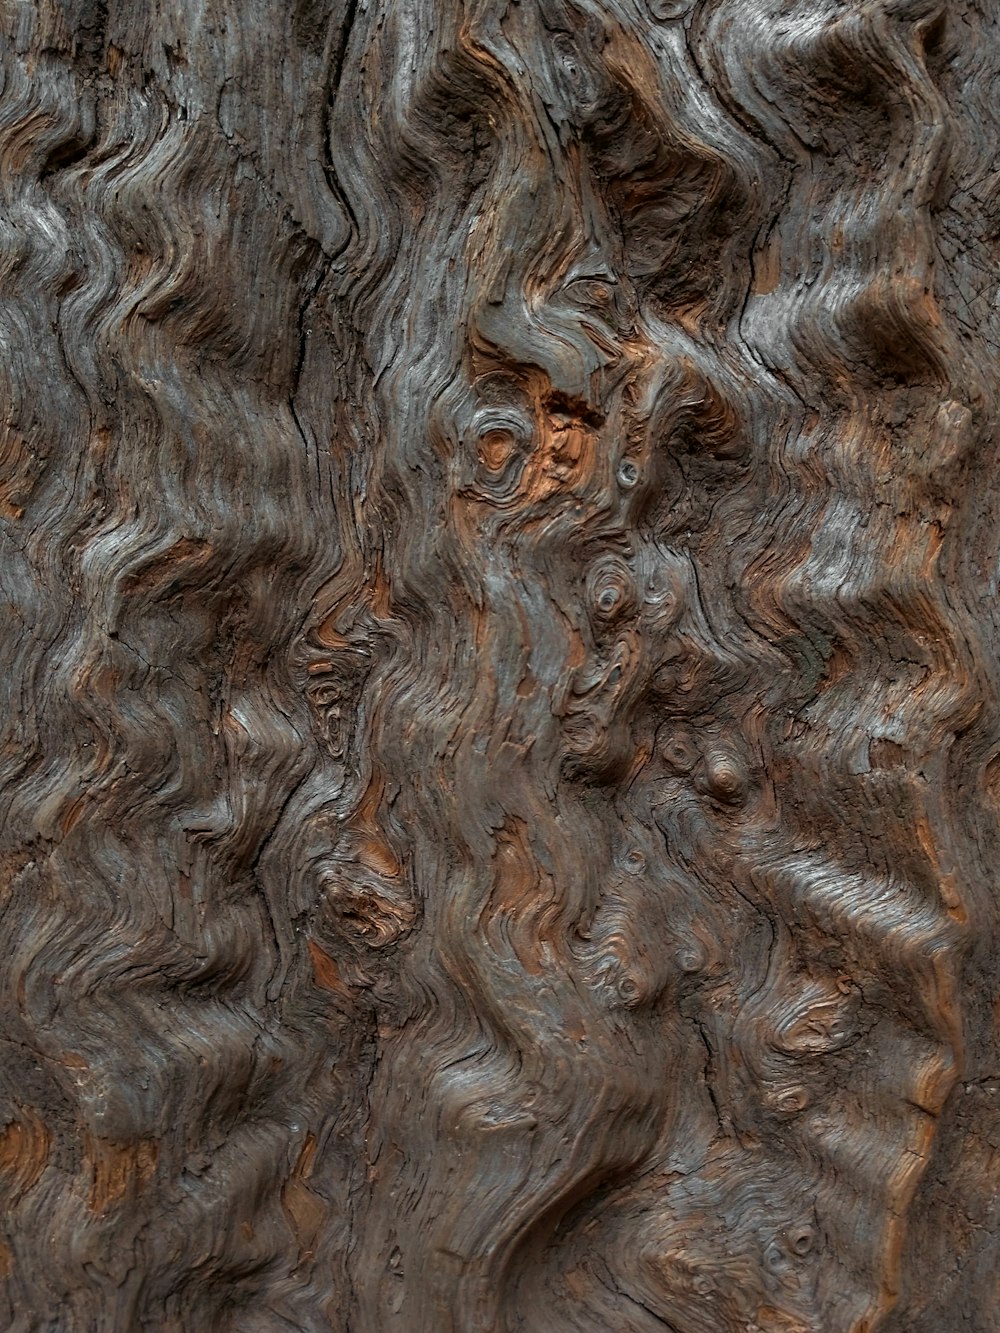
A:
502	763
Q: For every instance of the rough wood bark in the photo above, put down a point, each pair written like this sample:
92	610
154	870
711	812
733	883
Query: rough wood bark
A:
502	773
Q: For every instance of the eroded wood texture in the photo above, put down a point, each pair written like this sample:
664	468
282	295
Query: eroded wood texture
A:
500	786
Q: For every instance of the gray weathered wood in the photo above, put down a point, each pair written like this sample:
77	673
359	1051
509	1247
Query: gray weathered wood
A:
501	777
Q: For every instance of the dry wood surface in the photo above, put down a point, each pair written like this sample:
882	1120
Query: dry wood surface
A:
501	679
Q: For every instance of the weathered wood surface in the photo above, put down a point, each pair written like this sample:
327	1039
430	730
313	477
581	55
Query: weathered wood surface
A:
501	777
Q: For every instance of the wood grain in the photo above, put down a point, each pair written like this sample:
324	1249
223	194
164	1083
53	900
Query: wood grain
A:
502	762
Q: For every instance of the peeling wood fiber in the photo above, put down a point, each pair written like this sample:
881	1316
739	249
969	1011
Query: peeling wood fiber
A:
501	770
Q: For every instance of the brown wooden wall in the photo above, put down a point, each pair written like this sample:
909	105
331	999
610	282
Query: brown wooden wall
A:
501	761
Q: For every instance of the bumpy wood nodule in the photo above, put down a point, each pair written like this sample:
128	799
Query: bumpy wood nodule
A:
501	767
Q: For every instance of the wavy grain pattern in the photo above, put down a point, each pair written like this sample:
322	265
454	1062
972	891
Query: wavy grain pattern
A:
500	786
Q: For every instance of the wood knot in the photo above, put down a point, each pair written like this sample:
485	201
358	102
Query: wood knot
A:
726	778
